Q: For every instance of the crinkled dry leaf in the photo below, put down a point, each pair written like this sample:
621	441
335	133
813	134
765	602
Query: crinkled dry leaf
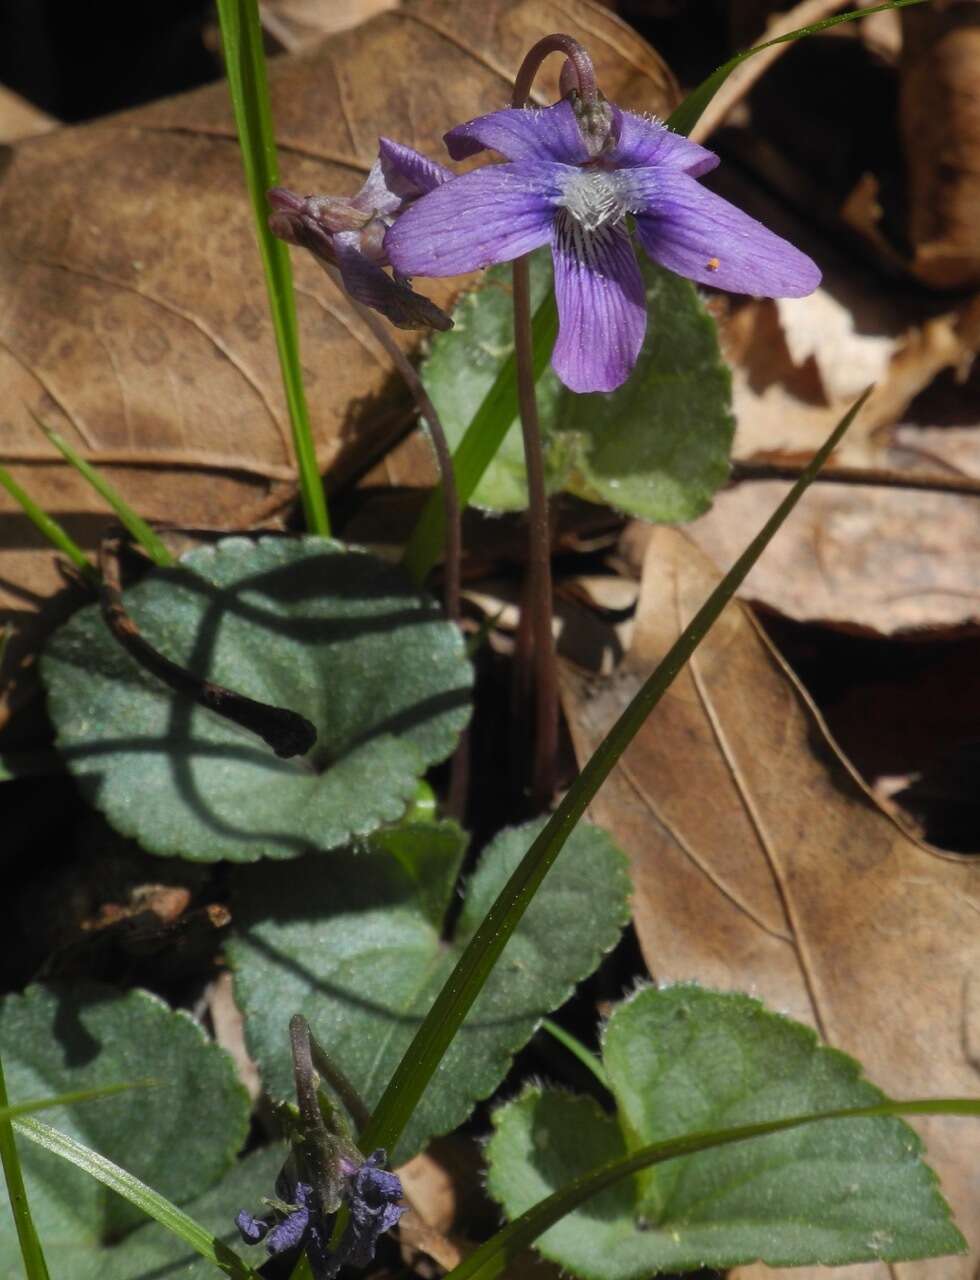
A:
300	24
20	118
940	118
760	864
887	560
133	314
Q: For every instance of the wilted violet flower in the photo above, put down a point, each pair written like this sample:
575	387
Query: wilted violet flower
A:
348	232
575	173
371	1194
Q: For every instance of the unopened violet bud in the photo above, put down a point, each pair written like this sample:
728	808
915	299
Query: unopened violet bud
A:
252	1230
288	1233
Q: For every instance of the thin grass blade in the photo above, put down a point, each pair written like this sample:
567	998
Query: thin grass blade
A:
35	1267
451	1006
13	1110
577	1049
490	1259
686	116
138	1193
49	527
241	38
136	525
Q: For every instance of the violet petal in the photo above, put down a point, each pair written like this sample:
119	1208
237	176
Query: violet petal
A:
408	171
648	142
289	1233
252	1230
696	233
522	133
491	215
369	285
601	306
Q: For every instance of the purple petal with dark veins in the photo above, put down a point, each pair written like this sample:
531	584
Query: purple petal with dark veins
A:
373	287
522	133
410	171
648	142
601	306
492	215
696	233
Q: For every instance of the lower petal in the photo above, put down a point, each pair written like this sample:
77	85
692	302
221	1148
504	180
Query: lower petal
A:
397	301
696	233
601	306
493	214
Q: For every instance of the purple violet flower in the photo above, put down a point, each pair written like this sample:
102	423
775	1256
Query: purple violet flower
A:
573	184
372	1195
348	232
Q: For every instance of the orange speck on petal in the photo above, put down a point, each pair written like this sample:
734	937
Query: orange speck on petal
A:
714	264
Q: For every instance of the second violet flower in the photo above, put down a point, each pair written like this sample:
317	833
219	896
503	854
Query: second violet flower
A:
575	185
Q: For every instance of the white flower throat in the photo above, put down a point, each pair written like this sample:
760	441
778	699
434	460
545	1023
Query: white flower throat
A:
596	197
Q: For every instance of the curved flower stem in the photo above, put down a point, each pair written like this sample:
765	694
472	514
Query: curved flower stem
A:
581	65
578	68
444	458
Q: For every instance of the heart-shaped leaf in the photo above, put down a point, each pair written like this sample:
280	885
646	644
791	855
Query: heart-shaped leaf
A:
355	944
656	448
334	634
179	1136
686	1060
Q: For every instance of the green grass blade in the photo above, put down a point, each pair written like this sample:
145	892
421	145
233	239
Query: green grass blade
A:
49	527
13	1110
578	1049
241	38
490	1259
137	526
686	116
453	1002
35	1267
138	1193
478	446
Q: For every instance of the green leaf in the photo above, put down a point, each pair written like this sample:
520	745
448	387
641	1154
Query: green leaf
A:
657	448
336	635
686	1060
180	1136
355	944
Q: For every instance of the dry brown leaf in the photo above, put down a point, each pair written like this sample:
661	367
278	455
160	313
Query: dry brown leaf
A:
299	24
133	313
20	118
887	560
940	118
760	864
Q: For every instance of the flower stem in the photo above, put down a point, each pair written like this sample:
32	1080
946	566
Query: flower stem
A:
581	64
444	458
539	551
578	66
